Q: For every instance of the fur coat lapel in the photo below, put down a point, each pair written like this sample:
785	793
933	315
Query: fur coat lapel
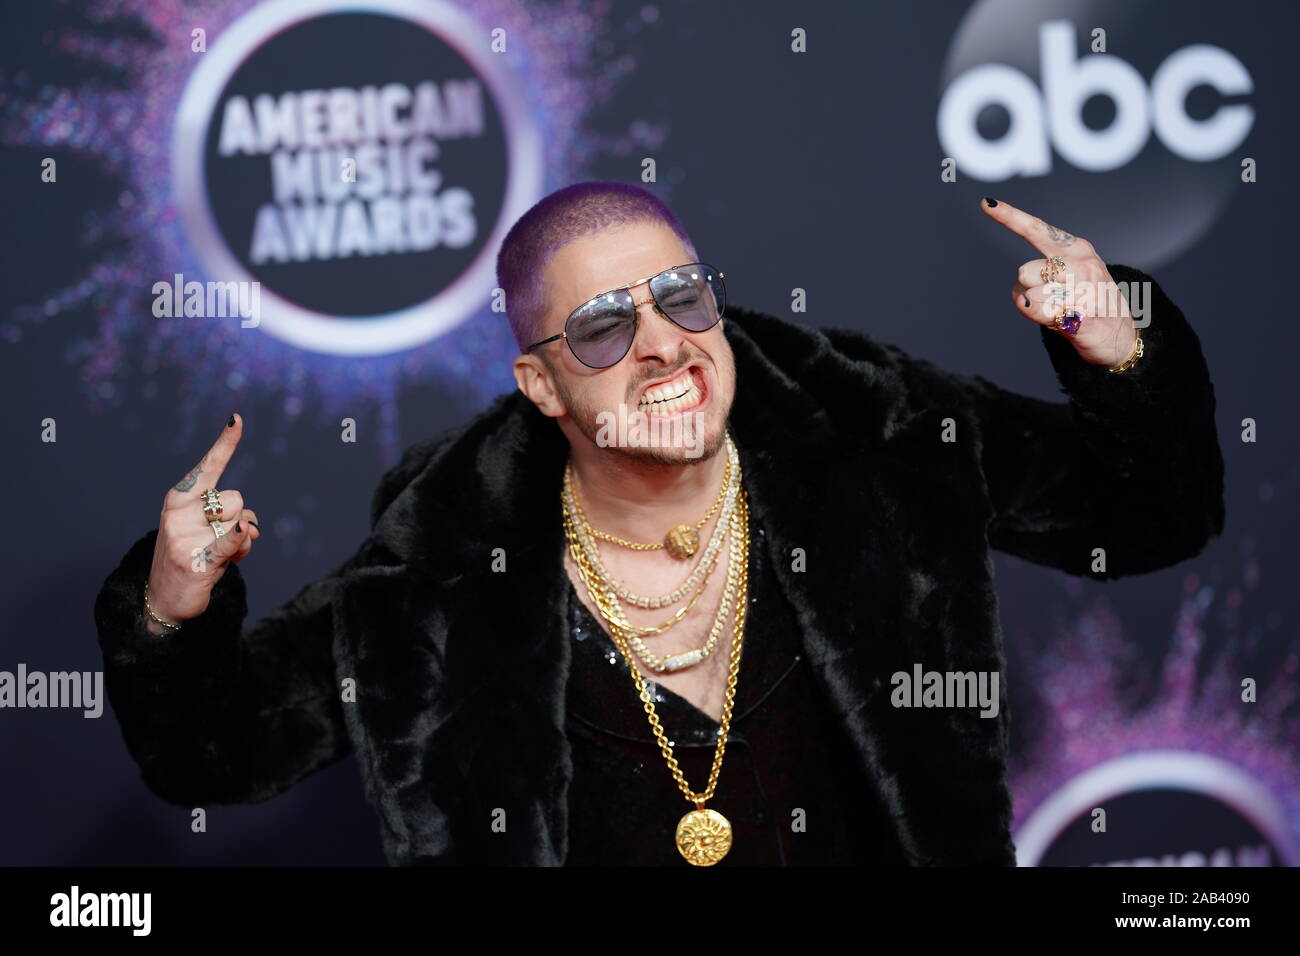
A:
461	670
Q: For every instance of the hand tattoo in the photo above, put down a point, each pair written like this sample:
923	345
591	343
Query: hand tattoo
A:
1059	235
186	483
208	556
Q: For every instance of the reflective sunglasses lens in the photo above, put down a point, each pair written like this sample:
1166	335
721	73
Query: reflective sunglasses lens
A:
692	296
601	331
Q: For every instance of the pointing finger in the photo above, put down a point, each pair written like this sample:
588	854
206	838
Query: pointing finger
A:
208	471
1044	237
219	455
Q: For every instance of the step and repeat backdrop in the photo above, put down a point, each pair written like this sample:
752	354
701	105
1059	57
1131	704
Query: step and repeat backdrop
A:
178	244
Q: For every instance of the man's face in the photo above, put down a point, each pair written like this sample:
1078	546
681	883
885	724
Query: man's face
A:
628	398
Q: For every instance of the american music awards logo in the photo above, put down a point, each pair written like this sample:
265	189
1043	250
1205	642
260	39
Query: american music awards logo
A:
1129	126
1159	808
361	160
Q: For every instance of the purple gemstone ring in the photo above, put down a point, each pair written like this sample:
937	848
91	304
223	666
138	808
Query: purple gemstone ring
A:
1069	322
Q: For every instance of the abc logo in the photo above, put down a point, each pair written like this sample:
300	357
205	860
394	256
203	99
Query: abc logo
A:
1112	120
1054	117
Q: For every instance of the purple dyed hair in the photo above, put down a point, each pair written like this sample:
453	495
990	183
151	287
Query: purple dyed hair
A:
556	220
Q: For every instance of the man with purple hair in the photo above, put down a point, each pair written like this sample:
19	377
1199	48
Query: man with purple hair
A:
709	588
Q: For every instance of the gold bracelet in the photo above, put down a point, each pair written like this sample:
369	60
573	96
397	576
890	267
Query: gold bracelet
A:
1137	354
156	618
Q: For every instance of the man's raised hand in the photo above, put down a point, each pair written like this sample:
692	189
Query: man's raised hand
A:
189	558
1106	334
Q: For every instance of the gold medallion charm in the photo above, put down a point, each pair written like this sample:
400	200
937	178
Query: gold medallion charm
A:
682	542
703	837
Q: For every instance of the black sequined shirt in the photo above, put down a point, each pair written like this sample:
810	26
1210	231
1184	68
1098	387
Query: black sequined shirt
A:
792	785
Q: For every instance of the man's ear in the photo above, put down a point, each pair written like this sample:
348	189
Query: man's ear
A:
536	381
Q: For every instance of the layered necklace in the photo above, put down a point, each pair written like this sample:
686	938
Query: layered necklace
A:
614	590
703	836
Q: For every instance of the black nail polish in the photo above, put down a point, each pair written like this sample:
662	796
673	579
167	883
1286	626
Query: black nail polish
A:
255	525
991	201
231	423
238	529
1026	302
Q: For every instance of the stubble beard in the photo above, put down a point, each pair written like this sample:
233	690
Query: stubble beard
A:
584	417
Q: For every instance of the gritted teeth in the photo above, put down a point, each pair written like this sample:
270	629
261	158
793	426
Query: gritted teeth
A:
672	396
667	391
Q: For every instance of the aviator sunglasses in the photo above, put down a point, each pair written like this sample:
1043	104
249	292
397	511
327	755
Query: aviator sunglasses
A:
600	331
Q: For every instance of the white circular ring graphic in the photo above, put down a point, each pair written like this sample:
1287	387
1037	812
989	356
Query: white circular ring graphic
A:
1156	770
287	321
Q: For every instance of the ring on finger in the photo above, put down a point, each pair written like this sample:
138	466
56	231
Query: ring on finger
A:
212	509
218	528
1068	320
1049	272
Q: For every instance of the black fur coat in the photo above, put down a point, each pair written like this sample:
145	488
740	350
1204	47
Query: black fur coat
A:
460	671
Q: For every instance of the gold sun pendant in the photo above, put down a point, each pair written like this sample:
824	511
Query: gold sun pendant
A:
703	837
682	542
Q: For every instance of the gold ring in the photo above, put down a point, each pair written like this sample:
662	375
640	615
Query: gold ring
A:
218	528
1049	272
212	509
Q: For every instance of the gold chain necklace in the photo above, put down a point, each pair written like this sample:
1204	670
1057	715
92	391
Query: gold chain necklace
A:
604	598
606	588
703	836
701	571
681	541
603	587
697	577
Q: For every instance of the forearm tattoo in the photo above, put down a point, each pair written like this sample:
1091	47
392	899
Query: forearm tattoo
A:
186	483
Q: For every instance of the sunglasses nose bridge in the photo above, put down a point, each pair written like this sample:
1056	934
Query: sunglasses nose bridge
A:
674	328
650	301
